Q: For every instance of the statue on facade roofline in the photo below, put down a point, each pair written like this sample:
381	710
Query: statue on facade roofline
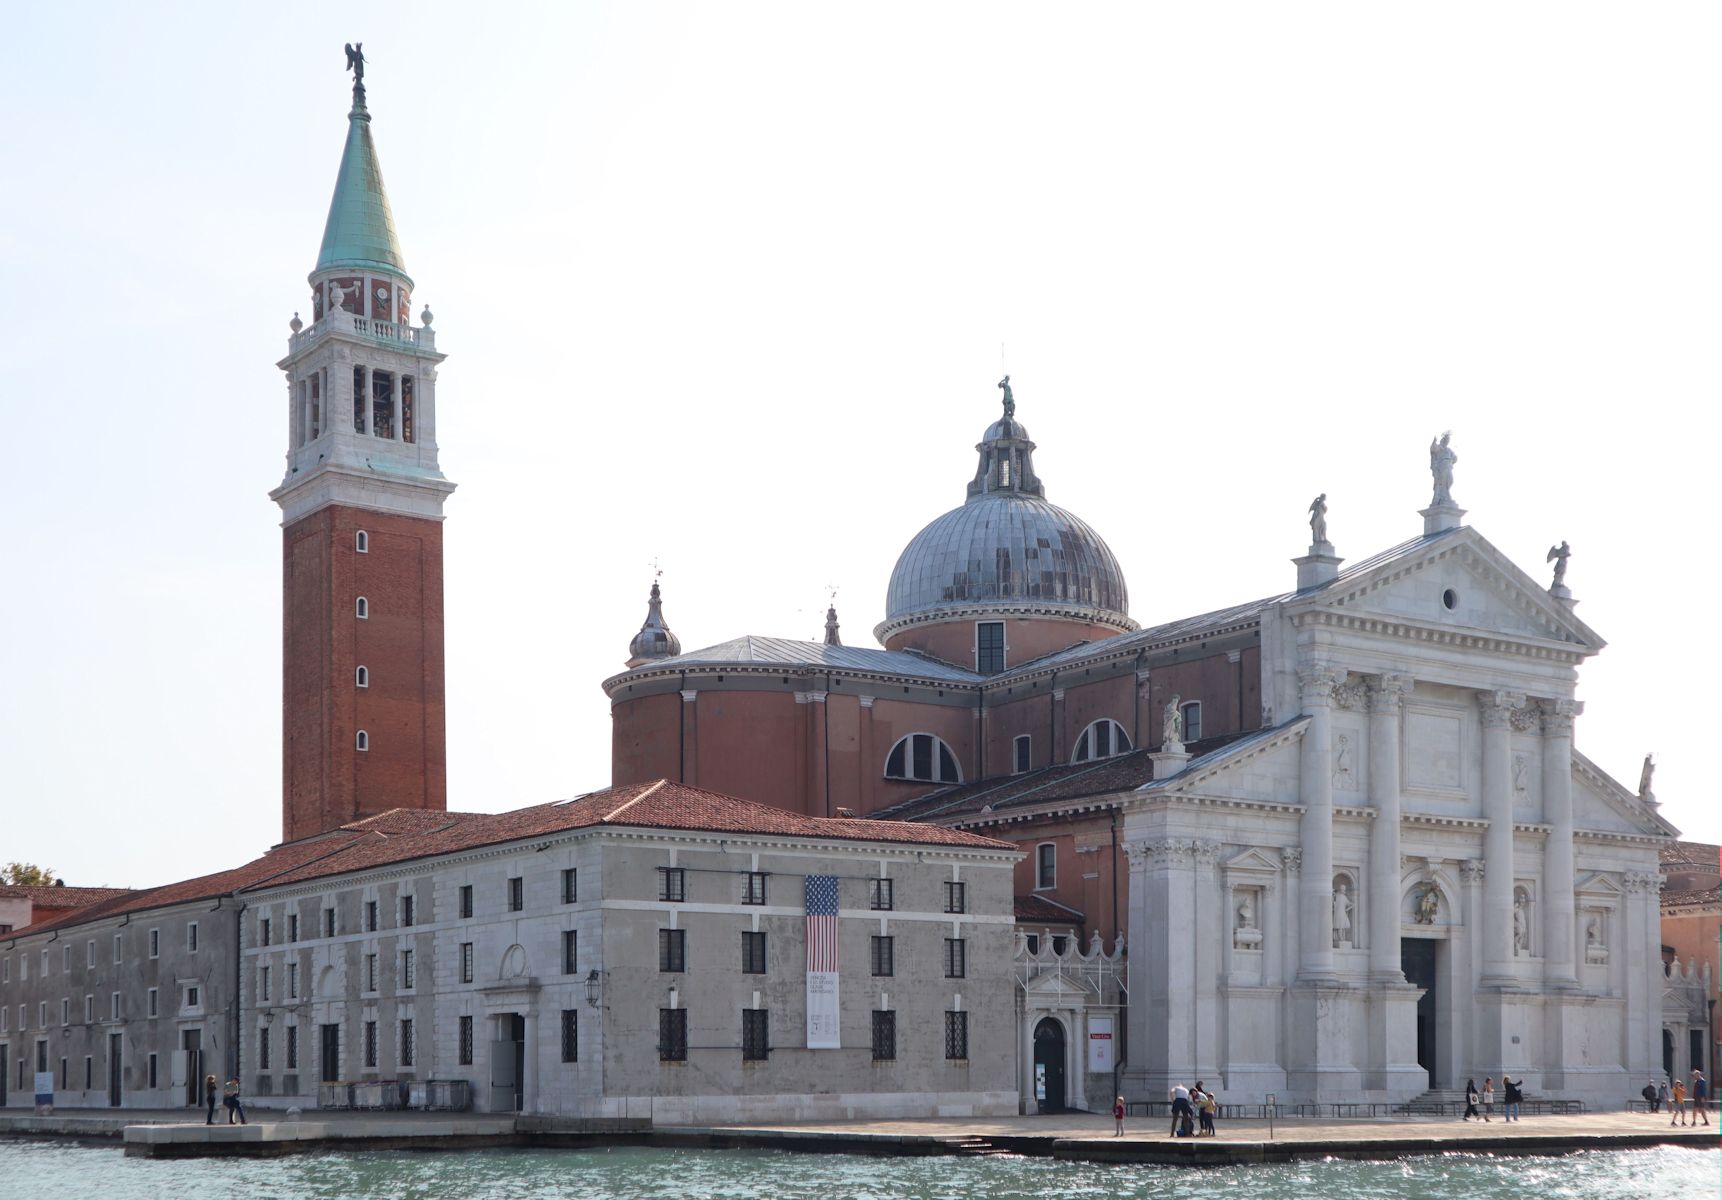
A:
1644	775
1172	725
1559	555
1441	460
1318	519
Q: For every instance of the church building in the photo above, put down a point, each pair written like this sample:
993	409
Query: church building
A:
1332	845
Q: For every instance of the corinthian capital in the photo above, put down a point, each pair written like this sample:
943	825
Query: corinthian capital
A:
1291	858
1317	681
1558	716
1387	692
1497	707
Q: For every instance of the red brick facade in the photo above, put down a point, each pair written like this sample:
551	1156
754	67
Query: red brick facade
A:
326	780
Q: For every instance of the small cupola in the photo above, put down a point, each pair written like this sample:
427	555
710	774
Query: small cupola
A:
1007	455
831	627
654	641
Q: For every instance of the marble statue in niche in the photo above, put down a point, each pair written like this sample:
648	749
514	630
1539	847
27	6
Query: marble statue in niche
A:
1246	933
1521	923
1343	906
1428	905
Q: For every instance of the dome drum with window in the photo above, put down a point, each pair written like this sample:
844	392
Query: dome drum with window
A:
922	757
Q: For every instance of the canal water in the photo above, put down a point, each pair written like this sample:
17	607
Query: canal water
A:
42	1169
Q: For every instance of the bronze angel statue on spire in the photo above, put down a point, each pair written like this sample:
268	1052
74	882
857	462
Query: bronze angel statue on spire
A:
356	61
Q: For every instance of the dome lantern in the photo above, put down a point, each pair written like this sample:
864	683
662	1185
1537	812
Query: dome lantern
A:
654	641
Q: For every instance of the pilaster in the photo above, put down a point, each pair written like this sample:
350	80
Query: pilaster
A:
1496	919
1315	832
1559	913
1386	699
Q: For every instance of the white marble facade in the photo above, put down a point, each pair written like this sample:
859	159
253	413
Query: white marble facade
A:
1425	810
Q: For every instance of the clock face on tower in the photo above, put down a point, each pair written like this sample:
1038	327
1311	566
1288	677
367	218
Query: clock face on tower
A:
380	303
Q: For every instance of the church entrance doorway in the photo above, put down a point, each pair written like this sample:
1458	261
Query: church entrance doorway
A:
1049	1065
1417	958
508	1063
331	1052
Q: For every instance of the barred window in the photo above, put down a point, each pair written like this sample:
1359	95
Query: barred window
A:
956	958
292	930
755	1033
466	962
753	887
328	922
370	972
672	950
407	974
409	910
263	983
752	953
263	1049
370	1043
673	1034
406	1041
672	884
956	897
292	981
466	900
370	916
879	895
884	1036
262	937
570	881
516	893
465	1045
884	955
292	1047
956	1035
570	1035
570	952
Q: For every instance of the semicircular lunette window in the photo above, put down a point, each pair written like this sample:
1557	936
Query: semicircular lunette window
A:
924	757
1102	739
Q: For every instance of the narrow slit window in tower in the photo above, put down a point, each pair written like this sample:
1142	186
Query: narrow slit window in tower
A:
407	431
362	608
359	412
362	740
316	405
304	412
383	404
362	677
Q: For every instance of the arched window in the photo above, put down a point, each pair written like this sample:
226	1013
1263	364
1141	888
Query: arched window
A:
1192	720
922	756
362	608
362	677
1045	866
362	542
361	740
1102	739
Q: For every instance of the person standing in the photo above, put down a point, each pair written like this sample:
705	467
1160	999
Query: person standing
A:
1661	1095
1488	1096
1700	1096
1677	1106
1515	1096
209	1097
1471	1098
234	1108
1118	1116
1210	1110
1180	1107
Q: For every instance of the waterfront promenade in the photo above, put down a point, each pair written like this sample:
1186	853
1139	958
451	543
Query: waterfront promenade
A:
172	1133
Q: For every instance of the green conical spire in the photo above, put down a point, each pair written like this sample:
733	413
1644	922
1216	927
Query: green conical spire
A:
361	229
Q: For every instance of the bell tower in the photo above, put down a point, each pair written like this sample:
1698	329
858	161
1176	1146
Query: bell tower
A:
361	505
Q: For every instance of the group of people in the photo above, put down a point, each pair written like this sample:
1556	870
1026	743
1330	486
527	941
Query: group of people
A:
230	1099
1190	1105
1660	1095
1482	1103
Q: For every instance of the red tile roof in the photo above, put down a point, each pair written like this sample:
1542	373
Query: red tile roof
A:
1042	911
51	896
401	835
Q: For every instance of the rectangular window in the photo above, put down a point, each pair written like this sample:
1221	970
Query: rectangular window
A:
263	984
570	881
292	981
292	927
406	1041
292	1047
370	916
921	755
65	1010
1192	721
263	932
89	1009
370	972
956	897
755	1033
90	955
359	406
879	895
672	950
263	1049
956	1035
191	937
989	647
382	404
884	956
408	433
370	1043
956	958
466	962
464	1048
408	911
1045	865
673	1034
465	900
516	894
89	1072
570	1035
884	1036
66	958
328	922
753	887
119	951
153	1075
1023	748
155	943
570	951
192	997
672	884
65	1076
316	406
408	979
752	953
154	1003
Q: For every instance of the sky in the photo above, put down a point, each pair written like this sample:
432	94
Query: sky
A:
727	289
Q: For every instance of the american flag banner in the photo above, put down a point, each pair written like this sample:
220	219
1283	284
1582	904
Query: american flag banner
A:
822	1008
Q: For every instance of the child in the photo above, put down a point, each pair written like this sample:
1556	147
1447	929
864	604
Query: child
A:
1210	1110
1118	1116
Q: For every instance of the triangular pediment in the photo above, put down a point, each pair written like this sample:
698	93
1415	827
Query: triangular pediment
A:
1261	766
1252	860
1454	581
1054	982
1597	884
1601	803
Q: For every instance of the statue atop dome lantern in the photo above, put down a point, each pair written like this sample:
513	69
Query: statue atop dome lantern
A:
1009	400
